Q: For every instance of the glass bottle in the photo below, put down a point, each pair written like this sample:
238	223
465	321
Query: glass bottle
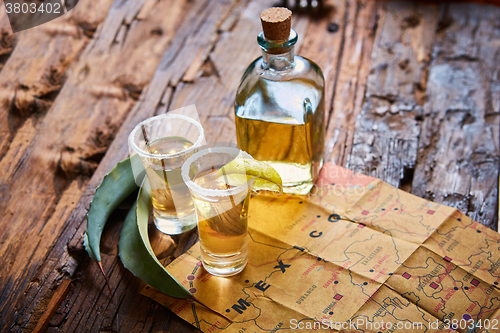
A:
279	111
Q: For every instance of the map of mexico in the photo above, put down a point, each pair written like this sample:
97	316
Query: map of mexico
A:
358	251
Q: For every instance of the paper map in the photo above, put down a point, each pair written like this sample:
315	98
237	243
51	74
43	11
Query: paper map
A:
357	256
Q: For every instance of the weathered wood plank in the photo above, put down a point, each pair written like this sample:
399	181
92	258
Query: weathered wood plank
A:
325	47
458	153
61	292
200	22
6	37
386	133
69	142
360	27
35	73
214	88
213	94
26	88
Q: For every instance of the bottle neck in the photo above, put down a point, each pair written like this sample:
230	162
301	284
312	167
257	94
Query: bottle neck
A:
277	56
278	62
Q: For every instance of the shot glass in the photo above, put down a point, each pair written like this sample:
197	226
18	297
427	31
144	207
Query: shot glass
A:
221	209
163	143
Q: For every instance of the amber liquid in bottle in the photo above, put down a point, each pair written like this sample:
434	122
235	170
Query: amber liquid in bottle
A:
279	114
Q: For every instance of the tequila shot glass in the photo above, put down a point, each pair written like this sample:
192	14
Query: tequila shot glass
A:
163	143
221	209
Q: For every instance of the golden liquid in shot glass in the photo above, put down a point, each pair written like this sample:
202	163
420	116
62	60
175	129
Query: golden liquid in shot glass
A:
222	227
165	178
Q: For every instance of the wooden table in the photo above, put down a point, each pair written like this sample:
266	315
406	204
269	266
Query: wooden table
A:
412	93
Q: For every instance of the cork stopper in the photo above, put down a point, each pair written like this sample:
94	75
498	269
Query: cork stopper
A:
276	23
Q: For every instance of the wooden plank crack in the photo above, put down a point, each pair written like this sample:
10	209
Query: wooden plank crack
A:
458	152
386	133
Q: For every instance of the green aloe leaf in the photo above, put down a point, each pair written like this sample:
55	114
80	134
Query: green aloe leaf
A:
134	247
136	253
117	185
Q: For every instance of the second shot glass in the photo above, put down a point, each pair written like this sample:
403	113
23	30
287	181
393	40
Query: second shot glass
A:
221	209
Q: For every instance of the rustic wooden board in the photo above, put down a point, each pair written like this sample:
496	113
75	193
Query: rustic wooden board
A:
175	62
386	133
35	73
28	81
433	88
458	152
134	59
53	170
7	38
360	26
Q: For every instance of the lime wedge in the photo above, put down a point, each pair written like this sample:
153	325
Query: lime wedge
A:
241	170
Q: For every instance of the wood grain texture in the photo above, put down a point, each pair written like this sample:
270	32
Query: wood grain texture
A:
433	88
458	152
56	300
32	77
7	37
28	83
213	91
348	79
386	133
97	96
